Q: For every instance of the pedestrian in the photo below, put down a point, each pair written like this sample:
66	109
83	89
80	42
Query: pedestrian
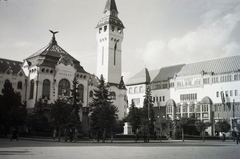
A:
15	134
75	135
66	134
224	137
54	133
238	137
71	134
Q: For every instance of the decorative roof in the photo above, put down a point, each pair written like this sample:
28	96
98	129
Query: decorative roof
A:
110	18
216	66
167	72
141	77
50	55
10	66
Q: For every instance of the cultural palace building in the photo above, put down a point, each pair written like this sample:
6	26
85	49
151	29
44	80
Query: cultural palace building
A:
207	90
48	73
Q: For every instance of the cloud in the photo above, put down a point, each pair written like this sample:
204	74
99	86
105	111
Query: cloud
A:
212	39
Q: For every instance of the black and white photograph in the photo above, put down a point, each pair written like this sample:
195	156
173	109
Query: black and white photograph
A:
113	79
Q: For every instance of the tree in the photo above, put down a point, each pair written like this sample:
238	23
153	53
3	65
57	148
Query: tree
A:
183	122
103	112
202	126
160	125
75	99
61	114
222	126
148	118
134	118
36	119
13	111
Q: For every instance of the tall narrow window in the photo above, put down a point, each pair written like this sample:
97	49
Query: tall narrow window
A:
19	85
31	89
64	87
80	91
46	89
115	48
102	55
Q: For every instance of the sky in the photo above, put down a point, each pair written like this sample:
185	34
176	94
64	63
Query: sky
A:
158	33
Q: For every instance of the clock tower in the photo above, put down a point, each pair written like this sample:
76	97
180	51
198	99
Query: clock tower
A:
109	38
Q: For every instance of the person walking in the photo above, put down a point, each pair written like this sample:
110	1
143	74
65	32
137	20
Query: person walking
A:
54	134
71	134
66	134
238	137
75	135
15	134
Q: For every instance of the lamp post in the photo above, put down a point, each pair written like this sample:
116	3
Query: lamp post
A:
233	123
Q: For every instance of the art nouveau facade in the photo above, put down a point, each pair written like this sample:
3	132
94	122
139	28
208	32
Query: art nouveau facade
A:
207	90
48	73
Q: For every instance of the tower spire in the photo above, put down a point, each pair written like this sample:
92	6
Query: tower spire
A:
110	6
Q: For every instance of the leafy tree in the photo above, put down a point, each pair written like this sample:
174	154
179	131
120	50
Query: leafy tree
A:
61	114
36	119
103	112
148	118
222	126
134	118
183	122
160	125
12	111
202	126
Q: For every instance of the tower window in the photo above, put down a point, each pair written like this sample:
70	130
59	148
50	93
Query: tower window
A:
100	30
115	48
102	55
105	28
119	30
113	28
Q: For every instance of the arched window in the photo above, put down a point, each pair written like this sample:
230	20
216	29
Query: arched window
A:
80	91
46	89
6	81
91	94
19	85
64	87
113	95
31	89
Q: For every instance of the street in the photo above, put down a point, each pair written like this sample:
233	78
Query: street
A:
167	149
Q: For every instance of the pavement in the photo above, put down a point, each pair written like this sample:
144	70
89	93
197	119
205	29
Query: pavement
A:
38	148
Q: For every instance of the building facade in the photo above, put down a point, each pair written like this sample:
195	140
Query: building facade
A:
48	73
206	90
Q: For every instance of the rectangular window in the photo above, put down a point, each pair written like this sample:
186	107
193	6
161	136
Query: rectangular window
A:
163	98
217	94
113	28
157	99
100	30
153	99
236	92
226	93
231	93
